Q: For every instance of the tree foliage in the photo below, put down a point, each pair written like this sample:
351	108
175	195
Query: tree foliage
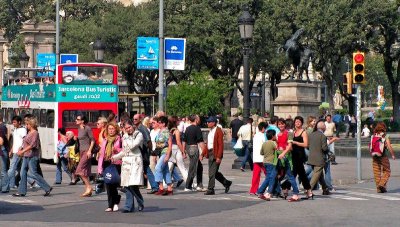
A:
201	94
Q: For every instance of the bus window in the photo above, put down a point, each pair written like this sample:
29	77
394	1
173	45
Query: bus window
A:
36	113
50	118
88	75
10	115
16	112
23	112
42	121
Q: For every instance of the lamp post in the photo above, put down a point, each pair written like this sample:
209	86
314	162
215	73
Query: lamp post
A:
23	60
98	48
246	25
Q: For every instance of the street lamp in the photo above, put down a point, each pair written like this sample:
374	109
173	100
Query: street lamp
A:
246	25
23	60
98	48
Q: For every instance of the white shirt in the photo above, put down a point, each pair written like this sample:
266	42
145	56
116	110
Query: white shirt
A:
258	140
181	126
153	134
366	132
18	135
210	138
245	132
330	129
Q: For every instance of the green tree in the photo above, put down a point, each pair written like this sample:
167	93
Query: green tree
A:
199	95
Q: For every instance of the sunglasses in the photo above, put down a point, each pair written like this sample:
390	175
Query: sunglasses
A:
78	119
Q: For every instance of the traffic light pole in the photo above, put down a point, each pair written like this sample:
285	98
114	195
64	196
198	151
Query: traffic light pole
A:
359	132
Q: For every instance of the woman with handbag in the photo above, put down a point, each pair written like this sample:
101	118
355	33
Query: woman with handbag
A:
61	154
110	146
178	153
246	134
132	166
86	143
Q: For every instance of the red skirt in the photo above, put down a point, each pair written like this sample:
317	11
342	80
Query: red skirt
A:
85	165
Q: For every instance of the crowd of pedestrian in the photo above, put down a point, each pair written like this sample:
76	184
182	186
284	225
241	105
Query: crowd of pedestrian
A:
140	150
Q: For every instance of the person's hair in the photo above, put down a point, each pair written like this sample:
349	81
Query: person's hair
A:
33	122
160	113
62	131
27	116
111	117
102	120
380	127
124	115
270	134
17	118
172	122
70	133
84	119
192	118
289	123
163	119
112	124
320	125
260	119
281	120
274	119
328	116
310	119
250	120
129	122
146	122
262	125
300	118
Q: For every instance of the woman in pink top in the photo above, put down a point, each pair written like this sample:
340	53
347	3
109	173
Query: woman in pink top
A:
111	145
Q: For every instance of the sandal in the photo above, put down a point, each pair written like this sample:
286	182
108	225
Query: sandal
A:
294	200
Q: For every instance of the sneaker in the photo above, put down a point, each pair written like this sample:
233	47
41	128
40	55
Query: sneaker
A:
228	186
210	192
201	189
188	190
263	197
115	208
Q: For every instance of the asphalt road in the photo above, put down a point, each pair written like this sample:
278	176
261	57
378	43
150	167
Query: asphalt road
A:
350	205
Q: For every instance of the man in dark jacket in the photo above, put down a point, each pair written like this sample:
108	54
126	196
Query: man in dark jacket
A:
214	152
318	147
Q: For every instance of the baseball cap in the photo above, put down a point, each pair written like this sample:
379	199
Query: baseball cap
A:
212	119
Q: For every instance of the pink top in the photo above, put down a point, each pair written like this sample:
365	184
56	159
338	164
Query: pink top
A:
116	150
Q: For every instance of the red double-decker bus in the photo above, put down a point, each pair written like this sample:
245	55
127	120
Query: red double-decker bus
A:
88	89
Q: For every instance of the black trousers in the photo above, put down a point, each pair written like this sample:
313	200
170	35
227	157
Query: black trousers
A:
112	189
298	169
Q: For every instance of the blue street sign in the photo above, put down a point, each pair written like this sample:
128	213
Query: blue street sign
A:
69	58
47	61
147	53
174	55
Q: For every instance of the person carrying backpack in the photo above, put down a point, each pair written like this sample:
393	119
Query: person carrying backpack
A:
379	147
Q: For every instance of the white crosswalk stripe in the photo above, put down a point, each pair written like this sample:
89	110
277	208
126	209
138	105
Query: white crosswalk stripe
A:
347	197
385	197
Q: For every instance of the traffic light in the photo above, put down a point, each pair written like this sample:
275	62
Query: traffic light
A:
348	83
359	68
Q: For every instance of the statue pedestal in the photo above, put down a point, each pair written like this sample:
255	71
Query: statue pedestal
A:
297	98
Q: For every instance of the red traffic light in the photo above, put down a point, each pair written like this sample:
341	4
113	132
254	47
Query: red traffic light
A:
359	58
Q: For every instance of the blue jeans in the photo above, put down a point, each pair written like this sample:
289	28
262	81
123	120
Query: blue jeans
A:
247	155
233	142
162	171
12	171
290	177
4	165
62	162
131	192
176	175
328	177
150	177
31	163
269	179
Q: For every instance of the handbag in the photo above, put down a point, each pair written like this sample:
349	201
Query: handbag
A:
238	148
111	175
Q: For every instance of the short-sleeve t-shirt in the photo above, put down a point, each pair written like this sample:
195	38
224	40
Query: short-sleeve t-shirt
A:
18	135
267	150
162	140
85	137
32	139
193	135
235	126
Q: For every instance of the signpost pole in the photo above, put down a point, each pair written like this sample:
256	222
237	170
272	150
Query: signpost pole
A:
161	58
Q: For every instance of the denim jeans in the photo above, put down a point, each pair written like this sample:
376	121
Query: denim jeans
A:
12	171
133	191
290	177
328	176
31	163
162	171
150	177
233	142
247	155
269	179
62	162
175	174
4	166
